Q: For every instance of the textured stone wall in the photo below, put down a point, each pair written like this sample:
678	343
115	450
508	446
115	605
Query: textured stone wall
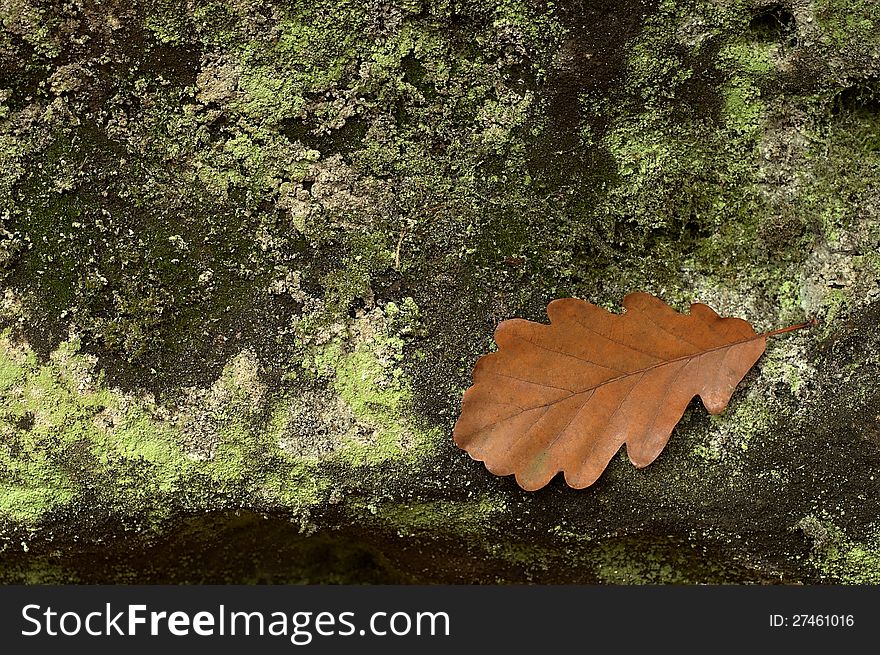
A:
250	252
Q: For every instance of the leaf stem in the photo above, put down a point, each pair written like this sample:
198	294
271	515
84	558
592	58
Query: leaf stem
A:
811	323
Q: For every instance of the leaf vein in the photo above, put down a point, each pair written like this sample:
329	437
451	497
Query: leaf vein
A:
562	352
617	341
686	358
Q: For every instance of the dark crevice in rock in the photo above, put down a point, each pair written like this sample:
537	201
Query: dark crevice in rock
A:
859	97
591	64
773	23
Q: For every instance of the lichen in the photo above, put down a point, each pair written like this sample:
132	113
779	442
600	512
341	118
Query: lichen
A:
250	257
361	364
69	437
627	561
471	519
840	558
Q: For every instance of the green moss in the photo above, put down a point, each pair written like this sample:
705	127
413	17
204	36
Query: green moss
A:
656	67
11	372
839	558
731	433
363	382
294	488
743	109
847	24
749	59
779	365
313	50
236	187
370	255
12	152
472	519
68	437
33	24
637	561
709	451
28	503
363	368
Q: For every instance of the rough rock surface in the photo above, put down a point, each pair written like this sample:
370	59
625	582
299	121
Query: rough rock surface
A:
250	252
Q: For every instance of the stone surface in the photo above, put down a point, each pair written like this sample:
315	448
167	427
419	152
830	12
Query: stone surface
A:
250	253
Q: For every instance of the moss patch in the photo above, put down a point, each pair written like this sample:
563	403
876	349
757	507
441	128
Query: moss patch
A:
839	558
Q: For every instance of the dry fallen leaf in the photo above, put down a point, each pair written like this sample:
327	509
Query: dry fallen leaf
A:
566	396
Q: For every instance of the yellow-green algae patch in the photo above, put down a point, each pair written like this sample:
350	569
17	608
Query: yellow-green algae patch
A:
35	426
838	556
69	440
468	518
361	363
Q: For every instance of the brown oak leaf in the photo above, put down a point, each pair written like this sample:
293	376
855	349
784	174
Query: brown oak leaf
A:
566	396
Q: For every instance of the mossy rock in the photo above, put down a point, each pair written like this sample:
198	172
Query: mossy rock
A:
249	259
